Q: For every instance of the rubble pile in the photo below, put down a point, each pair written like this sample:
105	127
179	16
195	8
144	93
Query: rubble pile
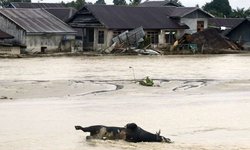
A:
212	39
129	42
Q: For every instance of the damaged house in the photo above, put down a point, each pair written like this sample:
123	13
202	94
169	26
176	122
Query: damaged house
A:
236	29
37	30
5	47
162	25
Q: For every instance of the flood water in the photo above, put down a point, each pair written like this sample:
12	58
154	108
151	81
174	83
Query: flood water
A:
200	102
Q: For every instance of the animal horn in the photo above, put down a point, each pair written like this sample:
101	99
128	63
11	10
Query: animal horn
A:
159	132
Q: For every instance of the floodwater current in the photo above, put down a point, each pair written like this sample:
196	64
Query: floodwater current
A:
201	102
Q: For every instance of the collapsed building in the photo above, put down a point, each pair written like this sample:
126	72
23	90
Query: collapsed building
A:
236	29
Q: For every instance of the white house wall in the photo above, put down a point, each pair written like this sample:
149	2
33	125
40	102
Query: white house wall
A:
192	23
108	35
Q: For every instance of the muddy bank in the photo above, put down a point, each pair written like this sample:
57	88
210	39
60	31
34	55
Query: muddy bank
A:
93	53
195	114
33	89
198	101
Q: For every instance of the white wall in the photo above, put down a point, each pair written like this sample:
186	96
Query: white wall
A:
192	23
108	35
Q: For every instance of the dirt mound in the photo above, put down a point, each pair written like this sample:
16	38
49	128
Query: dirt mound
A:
212	39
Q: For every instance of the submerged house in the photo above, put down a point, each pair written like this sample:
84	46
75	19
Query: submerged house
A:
37	30
100	23
5	47
236	29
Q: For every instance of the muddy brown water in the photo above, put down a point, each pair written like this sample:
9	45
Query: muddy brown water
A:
200	102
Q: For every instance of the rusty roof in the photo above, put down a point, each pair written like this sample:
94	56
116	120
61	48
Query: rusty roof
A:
35	21
36	5
126	17
4	35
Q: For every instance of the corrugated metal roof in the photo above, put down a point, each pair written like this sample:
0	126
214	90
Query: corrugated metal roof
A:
4	35
36	5
62	13
36	21
124	17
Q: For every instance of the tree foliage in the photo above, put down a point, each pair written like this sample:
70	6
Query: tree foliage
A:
5	3
241	13
134	2
100	2
175	1
119	2
219	8
76	4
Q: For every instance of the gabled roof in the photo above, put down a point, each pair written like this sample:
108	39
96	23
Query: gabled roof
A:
159	3
36	5
183	11
36	21
245	21
126	17
62	13
226	22
4	35
229	23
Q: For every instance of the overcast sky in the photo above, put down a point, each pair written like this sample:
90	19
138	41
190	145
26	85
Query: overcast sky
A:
188	3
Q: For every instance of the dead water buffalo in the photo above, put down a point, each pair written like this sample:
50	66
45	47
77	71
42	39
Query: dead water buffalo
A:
130	133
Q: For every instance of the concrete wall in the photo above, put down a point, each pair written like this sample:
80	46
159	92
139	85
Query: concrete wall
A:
9	50
52	42
192	23
108	35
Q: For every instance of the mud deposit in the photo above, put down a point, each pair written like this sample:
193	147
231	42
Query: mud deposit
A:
200	102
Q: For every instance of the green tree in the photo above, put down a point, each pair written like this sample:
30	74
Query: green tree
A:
119	2
100	2
240	13
219	8
5	3
76	4
134	2
175	1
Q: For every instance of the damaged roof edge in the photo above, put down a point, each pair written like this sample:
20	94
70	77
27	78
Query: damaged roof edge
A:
50	33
